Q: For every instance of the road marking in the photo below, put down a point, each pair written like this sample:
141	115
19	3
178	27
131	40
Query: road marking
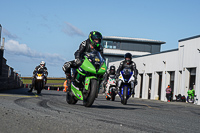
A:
148	106
17	95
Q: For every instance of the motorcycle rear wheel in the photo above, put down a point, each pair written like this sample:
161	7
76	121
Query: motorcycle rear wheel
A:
70	98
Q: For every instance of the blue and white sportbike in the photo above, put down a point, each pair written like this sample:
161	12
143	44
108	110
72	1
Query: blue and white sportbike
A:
126	84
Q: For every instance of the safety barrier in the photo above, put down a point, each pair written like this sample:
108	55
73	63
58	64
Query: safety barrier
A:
8	78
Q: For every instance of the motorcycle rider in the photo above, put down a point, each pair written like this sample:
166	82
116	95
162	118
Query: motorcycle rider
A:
92	43
128	63
109	73
42	68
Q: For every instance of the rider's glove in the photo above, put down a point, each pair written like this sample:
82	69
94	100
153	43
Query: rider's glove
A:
104	84
117	76
77	61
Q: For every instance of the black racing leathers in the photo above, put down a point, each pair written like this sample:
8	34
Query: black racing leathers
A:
84	48
39	68
131	65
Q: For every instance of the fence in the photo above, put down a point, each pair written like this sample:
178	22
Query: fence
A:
8	78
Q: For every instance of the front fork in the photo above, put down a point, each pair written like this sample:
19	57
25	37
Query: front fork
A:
132	85
81	95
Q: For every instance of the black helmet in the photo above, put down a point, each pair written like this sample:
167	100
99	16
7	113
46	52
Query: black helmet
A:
95	35
128	57
112	70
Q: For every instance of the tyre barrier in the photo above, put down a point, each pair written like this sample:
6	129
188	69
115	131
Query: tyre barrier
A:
46	87
53	88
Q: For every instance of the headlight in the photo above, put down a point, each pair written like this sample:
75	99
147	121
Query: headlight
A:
38	77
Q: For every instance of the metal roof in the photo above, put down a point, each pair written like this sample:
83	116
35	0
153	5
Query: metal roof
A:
119	52
115	38
189	38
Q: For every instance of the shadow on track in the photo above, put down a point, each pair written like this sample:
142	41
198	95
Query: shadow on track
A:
112	107
19	91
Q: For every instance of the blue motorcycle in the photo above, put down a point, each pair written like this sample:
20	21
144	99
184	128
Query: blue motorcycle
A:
125	83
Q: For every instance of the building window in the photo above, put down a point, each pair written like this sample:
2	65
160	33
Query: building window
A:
111	44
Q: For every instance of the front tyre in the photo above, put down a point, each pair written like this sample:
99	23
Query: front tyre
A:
92	94
113	95
39	87
125	94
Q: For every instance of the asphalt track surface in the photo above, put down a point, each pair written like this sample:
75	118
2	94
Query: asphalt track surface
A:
23	112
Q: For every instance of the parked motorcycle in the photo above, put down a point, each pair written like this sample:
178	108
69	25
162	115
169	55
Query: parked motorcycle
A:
39	81
180	98
111	88
125	82
85	85
190	97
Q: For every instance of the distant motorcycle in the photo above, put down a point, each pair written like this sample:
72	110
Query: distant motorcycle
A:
125	82
190	98
39	82
111	88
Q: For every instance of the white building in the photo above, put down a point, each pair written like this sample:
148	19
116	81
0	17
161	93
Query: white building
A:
179	68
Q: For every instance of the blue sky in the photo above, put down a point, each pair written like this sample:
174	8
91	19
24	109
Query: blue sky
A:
52	30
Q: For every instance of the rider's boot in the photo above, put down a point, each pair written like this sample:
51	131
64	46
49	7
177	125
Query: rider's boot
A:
68	77
33	83
31	89
132	91
117	90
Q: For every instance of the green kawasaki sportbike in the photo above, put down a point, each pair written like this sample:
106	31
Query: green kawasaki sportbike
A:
86	79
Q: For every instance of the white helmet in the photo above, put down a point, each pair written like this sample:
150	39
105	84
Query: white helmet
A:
42	63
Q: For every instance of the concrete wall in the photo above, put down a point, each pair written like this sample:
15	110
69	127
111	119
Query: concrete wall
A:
179	61
8	78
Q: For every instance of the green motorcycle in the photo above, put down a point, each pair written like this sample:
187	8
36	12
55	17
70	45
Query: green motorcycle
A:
86	79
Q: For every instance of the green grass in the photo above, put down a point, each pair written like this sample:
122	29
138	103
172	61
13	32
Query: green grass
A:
55	81
29	81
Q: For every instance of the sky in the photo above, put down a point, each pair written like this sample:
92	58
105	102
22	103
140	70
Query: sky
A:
52	30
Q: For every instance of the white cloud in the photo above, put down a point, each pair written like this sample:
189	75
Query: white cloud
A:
8	34
14	47
71	30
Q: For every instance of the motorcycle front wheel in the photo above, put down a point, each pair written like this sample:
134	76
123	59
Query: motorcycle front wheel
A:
125	94
39	87
113	95
92	94
190	100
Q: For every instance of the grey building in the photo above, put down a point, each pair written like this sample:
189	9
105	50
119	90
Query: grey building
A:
116	47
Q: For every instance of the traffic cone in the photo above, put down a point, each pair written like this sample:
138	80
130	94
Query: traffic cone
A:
58	89
48	88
